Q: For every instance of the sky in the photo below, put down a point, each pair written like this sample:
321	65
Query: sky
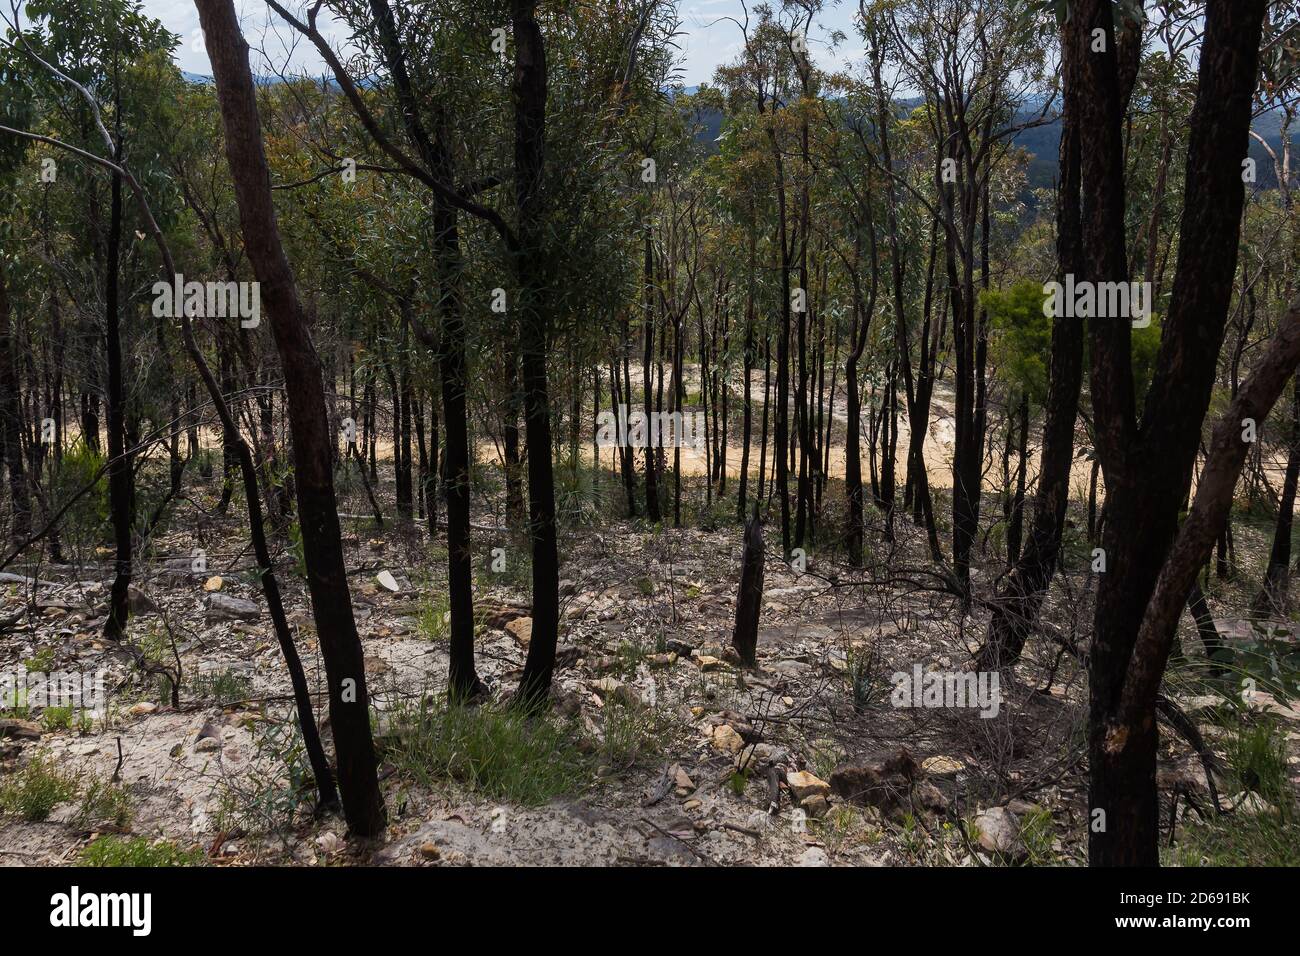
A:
708	39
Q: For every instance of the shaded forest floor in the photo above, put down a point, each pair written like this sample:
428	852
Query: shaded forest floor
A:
661	749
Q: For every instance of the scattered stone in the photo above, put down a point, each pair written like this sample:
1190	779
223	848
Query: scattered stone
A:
727	740
814	856
521	629
999	832
625	695
662	660
386	581
329	842
213	583
224	607
1248	803
139	602
816	806
681	780
430	851
142	708
19	729
707	662
892	785
803	784
942	766
679	647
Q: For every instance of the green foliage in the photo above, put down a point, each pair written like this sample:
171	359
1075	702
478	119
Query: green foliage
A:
271	799
104	804
1257	757
1022	336
37	788
223	686
138	851
80	467
633	732
433	620
57	718
501	754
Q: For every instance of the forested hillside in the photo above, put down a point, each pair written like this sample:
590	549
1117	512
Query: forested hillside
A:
482	446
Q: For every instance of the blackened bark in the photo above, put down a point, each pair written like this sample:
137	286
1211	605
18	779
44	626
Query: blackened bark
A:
318	514
1148	466
121	479
1272	599
530	145
749	600
10	433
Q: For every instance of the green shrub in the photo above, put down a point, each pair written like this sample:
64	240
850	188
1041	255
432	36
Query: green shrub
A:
36	789
503	754
138	851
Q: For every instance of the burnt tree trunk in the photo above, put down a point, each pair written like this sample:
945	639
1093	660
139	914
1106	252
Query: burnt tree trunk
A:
349	702
749	601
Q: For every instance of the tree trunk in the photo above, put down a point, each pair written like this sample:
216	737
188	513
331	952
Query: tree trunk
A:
326	573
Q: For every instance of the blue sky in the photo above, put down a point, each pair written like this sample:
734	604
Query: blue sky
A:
708	40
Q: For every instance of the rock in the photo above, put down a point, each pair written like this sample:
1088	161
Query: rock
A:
803	784
891	785
139	602
207	745
142	708
386	581
521	629
707	662
209	731
942	766
814	856
606	686
213	583
681	780
1248	803
329	842
727	740
568	588
662	660
224	607
759	756
19	729
496	615
430	851
679	647
625	695
816	806
999	832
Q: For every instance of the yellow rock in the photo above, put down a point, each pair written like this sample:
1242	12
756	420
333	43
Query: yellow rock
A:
942	766
213	583
727	740
803	785
521	628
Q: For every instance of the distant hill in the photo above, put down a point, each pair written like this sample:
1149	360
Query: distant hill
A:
1042	143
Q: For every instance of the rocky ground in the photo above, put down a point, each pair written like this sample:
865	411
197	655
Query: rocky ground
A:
671	753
